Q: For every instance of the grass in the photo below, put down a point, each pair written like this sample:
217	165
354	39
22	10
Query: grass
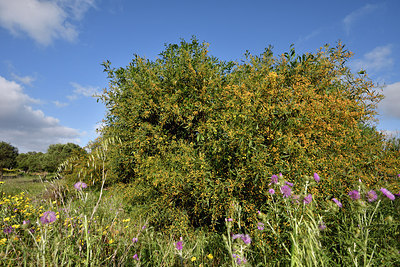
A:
30	184
93	228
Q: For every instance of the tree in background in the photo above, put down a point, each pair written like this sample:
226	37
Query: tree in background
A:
198	133
30	162
49	161
8	155
56	154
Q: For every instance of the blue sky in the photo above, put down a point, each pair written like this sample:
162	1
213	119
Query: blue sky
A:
51	51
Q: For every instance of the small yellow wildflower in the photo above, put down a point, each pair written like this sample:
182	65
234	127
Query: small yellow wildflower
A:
110	241
7	219
15	226
193	259
210	256
2	183
3	241
126	220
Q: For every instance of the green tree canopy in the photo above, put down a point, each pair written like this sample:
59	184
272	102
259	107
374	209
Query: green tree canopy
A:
49	161
30	162
8	155
56	154
198	133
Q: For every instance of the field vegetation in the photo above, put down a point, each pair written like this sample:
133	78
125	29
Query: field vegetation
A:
273	161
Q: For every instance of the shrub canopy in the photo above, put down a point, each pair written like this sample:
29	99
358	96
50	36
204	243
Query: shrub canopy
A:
198	133
8	155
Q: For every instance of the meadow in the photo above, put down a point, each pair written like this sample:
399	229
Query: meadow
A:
56	224
187	170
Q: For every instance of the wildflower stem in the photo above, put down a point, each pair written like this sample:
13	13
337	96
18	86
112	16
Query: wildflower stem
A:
101	193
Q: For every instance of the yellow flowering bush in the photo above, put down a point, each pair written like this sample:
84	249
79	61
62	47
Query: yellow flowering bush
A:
197	132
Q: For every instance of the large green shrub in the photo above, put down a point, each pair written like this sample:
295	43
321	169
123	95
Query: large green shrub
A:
198	133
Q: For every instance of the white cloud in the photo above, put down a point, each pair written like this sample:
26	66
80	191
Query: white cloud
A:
80	90
60	104
27	128
356	15
43	21
390	104
77	8
376	60
27	80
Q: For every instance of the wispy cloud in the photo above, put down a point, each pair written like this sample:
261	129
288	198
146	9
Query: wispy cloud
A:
87	91
311	35
27	80
358	14
390	104
380	58
60	104
43	21
27	128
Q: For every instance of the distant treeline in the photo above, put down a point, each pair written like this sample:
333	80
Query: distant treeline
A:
46	162
35	162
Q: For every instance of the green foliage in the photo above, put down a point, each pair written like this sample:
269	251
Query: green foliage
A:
286	232
31	161
198	133
58	153
49	161
91	167
8	155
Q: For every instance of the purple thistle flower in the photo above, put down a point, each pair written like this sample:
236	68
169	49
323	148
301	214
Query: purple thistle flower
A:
8	230
316	177
271	191
240	261
274	179
26	222
80	185
135	240
322	226
236	236
387	193
178	245
135	257
337	202
229	219
246	239
372	196
260	226
48	217
286	191
307	199
289	184
354	195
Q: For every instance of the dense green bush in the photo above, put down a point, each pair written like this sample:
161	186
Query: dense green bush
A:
198	133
